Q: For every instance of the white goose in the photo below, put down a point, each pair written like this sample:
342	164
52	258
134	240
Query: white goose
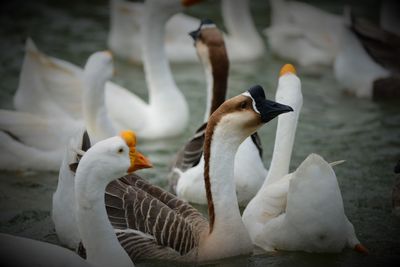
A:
165	115
33	142
367	63
187	173
303	33
302	210
104	162
127	23
63	202
153	224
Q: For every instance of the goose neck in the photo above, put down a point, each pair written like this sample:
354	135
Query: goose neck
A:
98	237
219	154
156	66
285	133
97	122
216	67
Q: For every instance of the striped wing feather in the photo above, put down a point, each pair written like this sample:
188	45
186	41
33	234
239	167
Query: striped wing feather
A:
152	223
191	154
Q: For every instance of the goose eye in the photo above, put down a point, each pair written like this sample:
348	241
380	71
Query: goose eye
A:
120	150
243	105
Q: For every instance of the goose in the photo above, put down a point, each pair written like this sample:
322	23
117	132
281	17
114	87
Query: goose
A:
151	223
166	114
187	173
35	142
304	34
302	210
126	32
48	87
101	164
63	201
367	64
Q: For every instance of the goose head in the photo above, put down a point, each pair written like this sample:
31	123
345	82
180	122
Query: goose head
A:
115	156
289	88
211	50
99	66
209	42
242	115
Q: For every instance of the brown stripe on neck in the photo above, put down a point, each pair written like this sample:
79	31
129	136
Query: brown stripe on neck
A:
207	147
229	106
214	40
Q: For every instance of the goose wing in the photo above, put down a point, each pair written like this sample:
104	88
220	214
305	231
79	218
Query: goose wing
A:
150	222
191	153
257	142
381	45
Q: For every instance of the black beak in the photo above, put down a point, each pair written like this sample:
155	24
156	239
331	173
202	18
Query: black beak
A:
268	109
195	34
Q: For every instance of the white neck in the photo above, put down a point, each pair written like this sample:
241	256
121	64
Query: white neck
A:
238	21
210	82
98	237
228	226
97	122
159	78
289	94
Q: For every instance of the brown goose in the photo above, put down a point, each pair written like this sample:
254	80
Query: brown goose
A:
186	178
153	224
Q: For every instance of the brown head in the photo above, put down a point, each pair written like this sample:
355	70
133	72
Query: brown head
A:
210	47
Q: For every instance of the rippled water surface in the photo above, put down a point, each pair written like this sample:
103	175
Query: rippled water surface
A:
337	126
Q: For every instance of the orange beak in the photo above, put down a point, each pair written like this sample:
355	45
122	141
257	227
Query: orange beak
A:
287	68
138	161
188	3
361	249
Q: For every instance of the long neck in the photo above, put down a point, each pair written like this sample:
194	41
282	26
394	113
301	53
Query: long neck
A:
216	67
284	140
159	78
219	154
95	116
238	21
98	237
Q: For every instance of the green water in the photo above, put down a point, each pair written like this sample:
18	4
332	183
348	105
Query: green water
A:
364	133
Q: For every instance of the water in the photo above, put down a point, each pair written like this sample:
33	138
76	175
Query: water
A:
364	133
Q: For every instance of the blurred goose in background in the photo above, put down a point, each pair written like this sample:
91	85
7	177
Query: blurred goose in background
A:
187	176
165	115
35	142
126	32
48	87
368	61
302	210
396	191
303	33
101	164
153	224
